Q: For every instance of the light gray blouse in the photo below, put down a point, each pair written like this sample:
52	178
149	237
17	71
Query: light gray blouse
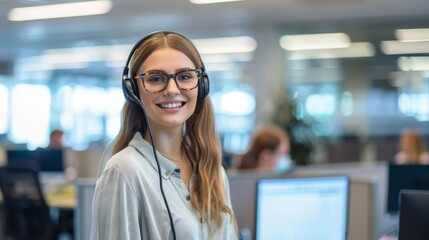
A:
128	204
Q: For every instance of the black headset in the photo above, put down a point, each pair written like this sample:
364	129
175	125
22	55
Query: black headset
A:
129	86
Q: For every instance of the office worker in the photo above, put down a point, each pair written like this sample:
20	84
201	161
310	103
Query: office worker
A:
182	192
56	139
268	150
412	148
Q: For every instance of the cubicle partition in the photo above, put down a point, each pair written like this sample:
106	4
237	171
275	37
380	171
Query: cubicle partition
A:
85	188
243	197
367	196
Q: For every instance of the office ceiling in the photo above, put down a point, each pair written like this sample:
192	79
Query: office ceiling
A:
130	19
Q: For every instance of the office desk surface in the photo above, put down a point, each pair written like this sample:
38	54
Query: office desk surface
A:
63	197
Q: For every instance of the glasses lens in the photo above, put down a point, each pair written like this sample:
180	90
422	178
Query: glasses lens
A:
154	81
187	79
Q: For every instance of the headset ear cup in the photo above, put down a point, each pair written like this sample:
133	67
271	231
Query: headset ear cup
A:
204	87
130	90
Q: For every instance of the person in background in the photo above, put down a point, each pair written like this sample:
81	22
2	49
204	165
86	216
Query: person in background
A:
268	150
167	77
56	139
412	148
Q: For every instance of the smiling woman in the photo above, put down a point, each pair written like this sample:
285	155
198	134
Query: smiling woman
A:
167	134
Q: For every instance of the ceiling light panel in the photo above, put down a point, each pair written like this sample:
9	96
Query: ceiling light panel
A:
396	47
412	35
314	41
240	44
355	50
60	10
211	1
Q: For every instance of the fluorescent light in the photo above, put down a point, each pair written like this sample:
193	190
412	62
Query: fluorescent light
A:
227	58
396	47
225	45
314	41
211	1
359	49
413	63
412	35
60	10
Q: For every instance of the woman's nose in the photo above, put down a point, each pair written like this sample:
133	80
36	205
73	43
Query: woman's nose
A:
172	88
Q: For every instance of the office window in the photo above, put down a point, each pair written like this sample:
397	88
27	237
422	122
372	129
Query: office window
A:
318	102
320	105
234	109
30	114
4	108
414	105
89	114
88	107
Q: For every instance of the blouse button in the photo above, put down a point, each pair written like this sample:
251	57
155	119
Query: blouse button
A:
182	185
188	198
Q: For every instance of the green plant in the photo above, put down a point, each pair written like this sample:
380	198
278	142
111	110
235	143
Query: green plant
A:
288	114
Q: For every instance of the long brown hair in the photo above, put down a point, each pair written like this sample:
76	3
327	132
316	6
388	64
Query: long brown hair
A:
208	194
267	137
413	144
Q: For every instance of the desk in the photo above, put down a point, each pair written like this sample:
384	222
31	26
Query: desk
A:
64	197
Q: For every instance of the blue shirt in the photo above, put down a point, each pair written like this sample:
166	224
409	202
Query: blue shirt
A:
128	204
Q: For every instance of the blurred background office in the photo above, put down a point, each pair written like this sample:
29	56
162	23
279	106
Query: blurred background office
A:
343	78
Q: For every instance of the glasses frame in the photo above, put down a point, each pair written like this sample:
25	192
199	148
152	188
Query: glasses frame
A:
169	76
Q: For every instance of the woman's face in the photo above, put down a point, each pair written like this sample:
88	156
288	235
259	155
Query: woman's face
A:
171	107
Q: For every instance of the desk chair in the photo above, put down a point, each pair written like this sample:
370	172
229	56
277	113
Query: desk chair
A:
27	214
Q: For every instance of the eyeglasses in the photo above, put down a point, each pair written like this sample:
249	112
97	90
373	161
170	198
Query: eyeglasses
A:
157	81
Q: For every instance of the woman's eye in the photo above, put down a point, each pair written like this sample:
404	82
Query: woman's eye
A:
155	78
185	76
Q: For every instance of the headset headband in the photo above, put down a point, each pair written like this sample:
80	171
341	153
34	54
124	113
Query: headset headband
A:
137	45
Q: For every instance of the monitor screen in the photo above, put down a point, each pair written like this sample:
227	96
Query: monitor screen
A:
413	215
410	176
302	208
48	160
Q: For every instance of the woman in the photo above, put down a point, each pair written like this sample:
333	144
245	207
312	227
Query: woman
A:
268	150
191	198
412	148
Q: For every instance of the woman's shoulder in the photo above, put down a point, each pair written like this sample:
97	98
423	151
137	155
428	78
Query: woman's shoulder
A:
127	160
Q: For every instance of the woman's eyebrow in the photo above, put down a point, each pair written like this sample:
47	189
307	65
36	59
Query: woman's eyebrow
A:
177	70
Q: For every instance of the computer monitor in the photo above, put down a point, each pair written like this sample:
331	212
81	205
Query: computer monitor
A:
409	176
413	215
302	208
47	160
